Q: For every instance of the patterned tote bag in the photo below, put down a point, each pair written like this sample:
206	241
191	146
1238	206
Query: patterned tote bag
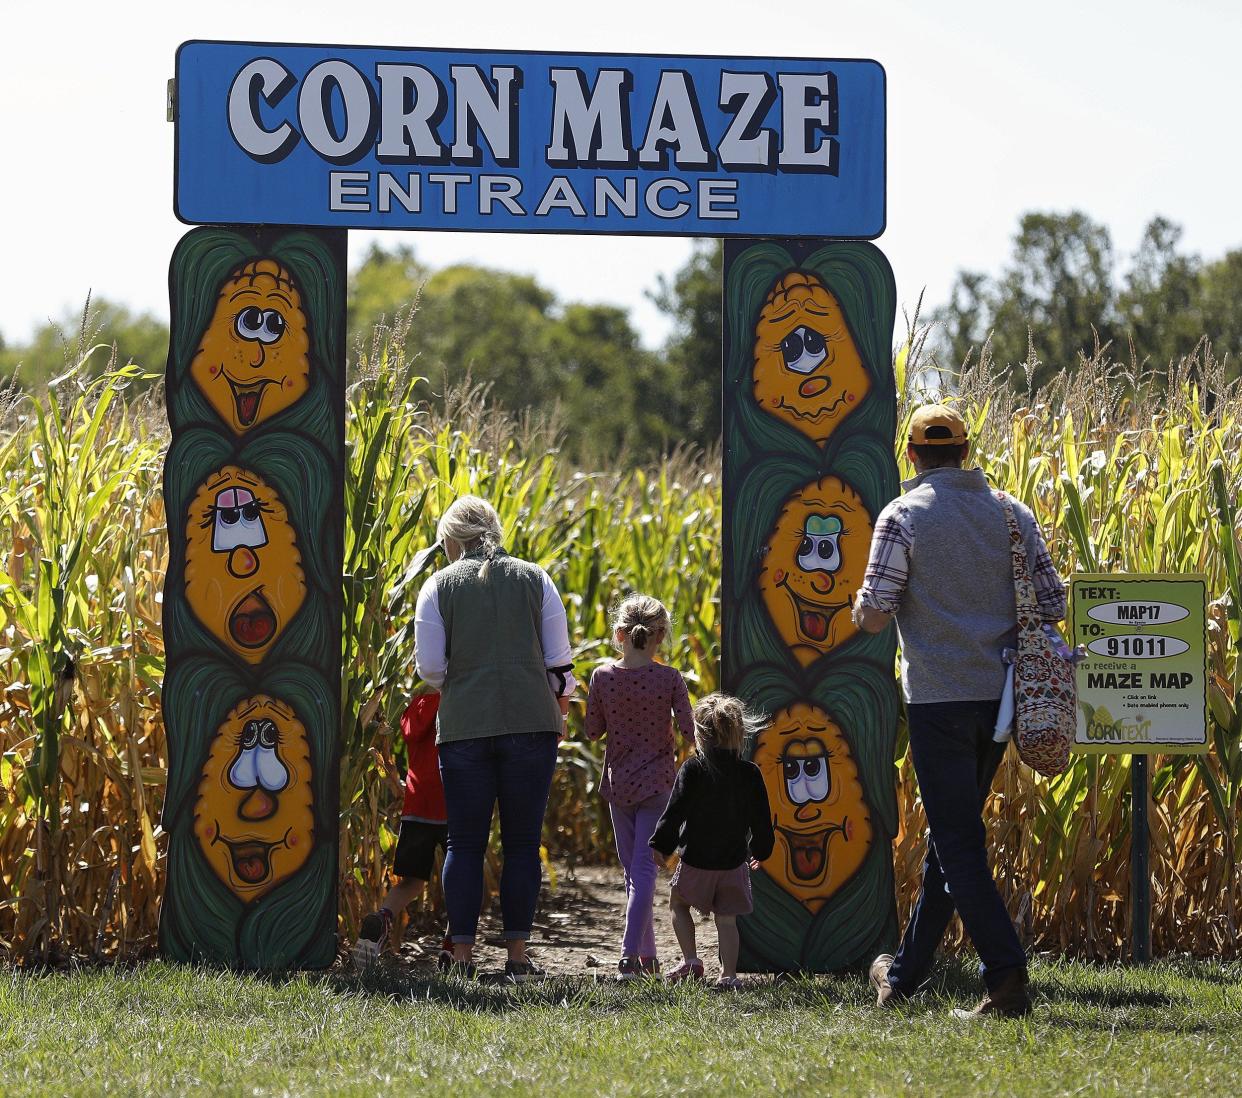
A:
1045	693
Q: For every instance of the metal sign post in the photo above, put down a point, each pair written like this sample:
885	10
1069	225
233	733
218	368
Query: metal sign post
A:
1140	863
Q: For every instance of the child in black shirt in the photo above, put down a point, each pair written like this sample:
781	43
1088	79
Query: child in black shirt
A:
718	820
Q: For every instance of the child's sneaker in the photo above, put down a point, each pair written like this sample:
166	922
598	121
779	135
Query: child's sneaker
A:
687	970
523	972
445	959
372	936
629	968
649	966
728	983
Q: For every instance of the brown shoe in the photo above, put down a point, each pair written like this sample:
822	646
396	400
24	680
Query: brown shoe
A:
885	994
1008	999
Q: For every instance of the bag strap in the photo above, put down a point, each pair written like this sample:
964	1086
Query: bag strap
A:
1029	617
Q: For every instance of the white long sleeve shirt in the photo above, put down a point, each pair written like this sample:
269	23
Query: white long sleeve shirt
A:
430	643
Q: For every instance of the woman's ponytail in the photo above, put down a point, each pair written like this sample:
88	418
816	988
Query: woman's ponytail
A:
472	522
487	562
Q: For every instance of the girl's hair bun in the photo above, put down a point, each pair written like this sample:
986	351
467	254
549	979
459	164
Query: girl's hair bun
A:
640	617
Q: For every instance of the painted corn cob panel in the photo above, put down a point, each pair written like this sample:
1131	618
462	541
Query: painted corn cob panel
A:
809	421
253	489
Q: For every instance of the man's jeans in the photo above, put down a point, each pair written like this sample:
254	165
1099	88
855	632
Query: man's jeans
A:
516	771
955	760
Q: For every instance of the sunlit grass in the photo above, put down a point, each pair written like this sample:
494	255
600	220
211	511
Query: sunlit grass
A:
1170	1029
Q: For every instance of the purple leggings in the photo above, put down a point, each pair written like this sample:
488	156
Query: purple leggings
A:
634	825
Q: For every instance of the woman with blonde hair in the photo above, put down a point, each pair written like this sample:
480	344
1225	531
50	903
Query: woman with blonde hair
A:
490	631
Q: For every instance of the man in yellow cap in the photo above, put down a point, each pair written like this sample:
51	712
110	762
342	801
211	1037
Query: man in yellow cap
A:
940	566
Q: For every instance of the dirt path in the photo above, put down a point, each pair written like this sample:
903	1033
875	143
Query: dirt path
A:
577	929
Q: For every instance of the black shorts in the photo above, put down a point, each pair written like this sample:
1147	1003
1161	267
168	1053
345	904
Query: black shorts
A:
416	848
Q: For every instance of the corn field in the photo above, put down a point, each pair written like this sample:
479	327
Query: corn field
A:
1119	481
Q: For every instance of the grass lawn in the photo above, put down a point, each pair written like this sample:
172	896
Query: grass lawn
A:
155	1029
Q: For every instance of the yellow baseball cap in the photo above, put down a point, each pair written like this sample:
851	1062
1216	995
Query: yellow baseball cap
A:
937	425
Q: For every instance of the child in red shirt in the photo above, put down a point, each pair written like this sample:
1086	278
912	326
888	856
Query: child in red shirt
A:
424	826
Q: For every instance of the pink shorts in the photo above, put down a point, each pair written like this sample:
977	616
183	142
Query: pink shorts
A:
714	891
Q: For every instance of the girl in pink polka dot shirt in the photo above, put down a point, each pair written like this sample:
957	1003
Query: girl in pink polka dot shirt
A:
632	701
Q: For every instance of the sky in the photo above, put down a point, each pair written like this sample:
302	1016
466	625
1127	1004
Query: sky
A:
994	108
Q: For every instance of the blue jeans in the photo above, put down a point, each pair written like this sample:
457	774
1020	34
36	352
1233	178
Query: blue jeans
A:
955	760
516	771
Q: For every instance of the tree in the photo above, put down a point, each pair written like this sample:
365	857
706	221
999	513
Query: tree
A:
470	322
612	392
1160	306
692	357
581	362
1058	289
1220	307
964	323
1059	284
56	345
492	326
384	283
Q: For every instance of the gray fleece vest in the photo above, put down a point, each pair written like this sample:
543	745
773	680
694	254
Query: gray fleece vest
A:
958	611
497	681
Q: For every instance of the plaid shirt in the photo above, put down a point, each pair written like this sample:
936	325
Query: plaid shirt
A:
888	567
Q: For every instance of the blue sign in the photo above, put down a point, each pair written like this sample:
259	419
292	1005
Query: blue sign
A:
384	138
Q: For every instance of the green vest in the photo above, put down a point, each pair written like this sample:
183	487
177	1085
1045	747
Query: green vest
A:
497	679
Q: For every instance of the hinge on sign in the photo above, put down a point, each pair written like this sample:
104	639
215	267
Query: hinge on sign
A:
170	103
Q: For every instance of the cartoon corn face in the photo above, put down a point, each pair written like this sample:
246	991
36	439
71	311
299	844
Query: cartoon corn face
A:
252	359
813	564
819	812
253	817
807	369
243	571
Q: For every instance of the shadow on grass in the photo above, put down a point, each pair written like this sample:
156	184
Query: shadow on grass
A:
761	995
492	995
1221	973
1092	999
1154	1023
1107	998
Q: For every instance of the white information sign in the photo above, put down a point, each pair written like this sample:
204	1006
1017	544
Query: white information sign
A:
1143	686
